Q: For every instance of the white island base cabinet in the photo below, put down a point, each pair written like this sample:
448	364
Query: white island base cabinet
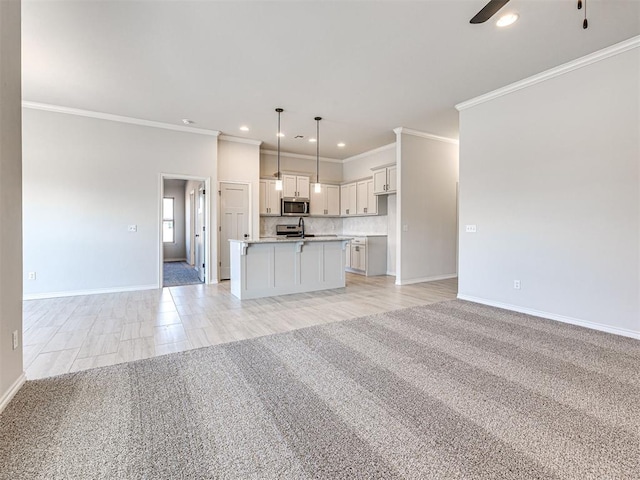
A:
270	267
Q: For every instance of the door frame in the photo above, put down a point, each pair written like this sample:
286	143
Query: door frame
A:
219	226
207	221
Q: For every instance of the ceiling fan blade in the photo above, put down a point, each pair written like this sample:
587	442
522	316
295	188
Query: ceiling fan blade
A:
488	11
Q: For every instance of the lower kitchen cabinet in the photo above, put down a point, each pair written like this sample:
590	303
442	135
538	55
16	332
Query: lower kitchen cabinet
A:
367	255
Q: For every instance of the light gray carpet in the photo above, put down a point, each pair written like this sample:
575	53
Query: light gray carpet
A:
451	390
175	274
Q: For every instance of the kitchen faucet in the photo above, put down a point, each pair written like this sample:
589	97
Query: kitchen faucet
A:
301	225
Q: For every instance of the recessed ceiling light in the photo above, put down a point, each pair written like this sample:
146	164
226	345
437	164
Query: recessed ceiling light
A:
244	128
341	144
312	140
186	121
506	20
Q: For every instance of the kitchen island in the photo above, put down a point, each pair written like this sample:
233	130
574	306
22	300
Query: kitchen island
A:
278	266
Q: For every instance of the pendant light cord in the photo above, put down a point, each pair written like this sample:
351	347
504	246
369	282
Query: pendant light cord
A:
279	110
317	119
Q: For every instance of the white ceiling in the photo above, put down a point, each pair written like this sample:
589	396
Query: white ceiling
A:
365	66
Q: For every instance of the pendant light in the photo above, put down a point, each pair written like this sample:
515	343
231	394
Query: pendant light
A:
279	179
317	187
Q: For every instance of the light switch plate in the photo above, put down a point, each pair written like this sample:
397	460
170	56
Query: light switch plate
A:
133	228
471	229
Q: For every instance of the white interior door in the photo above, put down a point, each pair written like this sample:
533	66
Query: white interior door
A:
200	233
234	221
192	228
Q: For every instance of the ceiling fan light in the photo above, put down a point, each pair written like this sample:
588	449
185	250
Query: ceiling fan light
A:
507	19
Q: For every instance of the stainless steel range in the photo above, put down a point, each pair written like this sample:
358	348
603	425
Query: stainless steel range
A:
292	231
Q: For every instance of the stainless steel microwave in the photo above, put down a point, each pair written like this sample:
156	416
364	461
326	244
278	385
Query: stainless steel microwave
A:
295	207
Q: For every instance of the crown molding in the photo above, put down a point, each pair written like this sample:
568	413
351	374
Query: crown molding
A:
117	118
589	59
370	152
231	138
300	155
430	136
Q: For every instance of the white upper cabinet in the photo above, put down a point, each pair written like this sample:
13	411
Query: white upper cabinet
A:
269	198
333	200
361	198
372	200
295	186
348	199
357	198
327	202
385	180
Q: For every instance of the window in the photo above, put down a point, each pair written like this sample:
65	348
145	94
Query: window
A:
167	220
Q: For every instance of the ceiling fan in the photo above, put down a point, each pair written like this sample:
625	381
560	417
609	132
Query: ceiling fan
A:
491	8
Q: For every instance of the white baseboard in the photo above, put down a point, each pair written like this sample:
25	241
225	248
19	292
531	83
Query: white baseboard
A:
552	316
175	260
13	389
425	279
95	291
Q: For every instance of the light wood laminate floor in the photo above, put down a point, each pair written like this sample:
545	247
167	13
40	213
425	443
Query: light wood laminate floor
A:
77	333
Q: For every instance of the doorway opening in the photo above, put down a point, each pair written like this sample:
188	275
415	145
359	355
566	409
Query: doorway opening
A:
183	242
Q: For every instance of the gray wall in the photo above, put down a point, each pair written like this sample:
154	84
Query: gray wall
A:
240	162
550	176
10	198
359	166
176	251
85	181
330	172
427	185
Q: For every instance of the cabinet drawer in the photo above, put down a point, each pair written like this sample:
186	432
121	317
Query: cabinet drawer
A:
359	241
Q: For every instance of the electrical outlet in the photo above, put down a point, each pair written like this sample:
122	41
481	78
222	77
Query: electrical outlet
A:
470	229
405	228
31	275
133	228
516	284
14	339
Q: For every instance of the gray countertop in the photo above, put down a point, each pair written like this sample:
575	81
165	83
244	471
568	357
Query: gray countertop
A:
283	239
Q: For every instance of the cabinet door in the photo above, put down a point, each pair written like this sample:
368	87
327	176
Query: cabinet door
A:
372	200
361	198
273	198
352	199
333	199
302	187
380	181
359	257
289	185
344	200
318	202
392	179
355	257
263	197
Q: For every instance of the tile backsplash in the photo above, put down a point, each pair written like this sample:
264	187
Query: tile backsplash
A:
374	225
315	225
